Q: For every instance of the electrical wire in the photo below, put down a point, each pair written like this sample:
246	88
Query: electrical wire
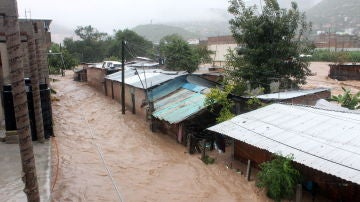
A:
103	159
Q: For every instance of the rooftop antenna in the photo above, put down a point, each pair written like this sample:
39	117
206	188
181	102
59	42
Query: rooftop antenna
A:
27	12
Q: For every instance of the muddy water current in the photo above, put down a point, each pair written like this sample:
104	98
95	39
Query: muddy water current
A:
96	149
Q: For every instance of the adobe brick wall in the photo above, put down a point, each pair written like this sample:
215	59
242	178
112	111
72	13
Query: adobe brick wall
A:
140	97
309	99
95	78
345	72
329	185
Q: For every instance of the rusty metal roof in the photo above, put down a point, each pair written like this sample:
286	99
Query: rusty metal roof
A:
326	140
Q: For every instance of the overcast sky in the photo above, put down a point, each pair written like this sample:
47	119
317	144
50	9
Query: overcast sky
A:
107	15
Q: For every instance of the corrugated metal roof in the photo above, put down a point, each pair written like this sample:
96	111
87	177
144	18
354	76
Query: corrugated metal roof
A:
328	141
178	106
290	94
145	79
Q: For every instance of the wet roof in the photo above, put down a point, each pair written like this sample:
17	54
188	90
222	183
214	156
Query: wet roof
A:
180	105
145	79
290	94
326	140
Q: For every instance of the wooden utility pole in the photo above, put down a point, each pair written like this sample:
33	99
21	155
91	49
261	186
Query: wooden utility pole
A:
10	26
123	76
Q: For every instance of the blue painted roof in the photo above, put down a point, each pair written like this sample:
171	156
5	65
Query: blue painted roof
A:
179	106
193	87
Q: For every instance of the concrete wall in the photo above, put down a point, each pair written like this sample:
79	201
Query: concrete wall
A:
220	51
5	64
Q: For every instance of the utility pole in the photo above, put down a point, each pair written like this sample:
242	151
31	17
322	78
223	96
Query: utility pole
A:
123	76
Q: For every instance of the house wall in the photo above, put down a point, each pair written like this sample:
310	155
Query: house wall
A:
139	95
220	51
328	185
95	78
345	72
309	99
220	46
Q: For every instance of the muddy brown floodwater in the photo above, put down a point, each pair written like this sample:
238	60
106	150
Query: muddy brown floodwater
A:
321	79
145	166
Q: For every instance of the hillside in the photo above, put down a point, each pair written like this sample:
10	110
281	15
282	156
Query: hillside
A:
336	15
154	32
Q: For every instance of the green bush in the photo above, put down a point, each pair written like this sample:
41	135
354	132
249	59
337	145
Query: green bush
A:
331	56
279	177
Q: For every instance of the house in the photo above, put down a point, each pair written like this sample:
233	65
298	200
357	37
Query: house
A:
220	45
325	144
179	106
96	72
348	71
138	83
300	96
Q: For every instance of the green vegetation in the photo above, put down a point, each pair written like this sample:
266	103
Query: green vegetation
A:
338	57
95	46
278	177
348	100
178	54
155	32
220	97
55	59
272	42
208	160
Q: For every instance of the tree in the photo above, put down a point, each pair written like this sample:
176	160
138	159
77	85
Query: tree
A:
271	42
220	97
55	60
89	33
279	177
91	48
347	99
204	53
179	55
136	45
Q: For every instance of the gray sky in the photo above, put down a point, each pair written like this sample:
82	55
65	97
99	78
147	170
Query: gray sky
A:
107	15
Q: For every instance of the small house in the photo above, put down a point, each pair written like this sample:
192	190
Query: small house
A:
325	144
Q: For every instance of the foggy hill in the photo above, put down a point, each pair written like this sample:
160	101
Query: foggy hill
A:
336	15
154	32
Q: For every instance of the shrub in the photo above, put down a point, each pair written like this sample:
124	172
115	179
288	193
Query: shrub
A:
279	177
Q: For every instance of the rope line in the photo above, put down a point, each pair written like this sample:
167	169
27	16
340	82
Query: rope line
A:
103	159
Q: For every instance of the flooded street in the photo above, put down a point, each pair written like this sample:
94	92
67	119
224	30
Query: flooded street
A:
321	79
144	166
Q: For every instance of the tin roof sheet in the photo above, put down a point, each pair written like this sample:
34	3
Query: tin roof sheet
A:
290	94
179	106
144	79
326	140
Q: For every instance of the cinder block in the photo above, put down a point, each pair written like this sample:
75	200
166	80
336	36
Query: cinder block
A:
14	139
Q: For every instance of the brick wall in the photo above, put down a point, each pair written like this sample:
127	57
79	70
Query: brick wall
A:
310	99
345	72
95	78
139	95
